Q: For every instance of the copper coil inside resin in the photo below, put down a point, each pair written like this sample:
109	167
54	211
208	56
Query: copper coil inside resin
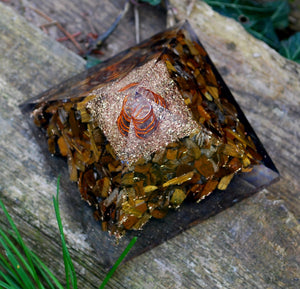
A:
137	110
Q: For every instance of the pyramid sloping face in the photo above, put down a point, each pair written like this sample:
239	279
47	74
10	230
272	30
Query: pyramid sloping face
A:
146	112
148	129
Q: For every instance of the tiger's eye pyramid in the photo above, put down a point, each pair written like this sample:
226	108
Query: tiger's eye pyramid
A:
152	130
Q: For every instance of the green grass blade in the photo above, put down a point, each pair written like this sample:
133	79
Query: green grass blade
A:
19	272
41	268
5	265
13	256
9	279
46	273
43	271
26	282
22	244
9	282
120	259
69	268
16	252
9	285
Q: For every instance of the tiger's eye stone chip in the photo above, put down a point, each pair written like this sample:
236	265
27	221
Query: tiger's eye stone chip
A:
151	129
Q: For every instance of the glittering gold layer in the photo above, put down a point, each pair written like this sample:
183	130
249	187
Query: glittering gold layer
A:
175	121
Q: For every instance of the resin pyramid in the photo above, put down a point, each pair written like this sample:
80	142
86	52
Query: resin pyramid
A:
149	129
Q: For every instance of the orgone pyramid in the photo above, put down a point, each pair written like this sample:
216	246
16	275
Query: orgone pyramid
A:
150	129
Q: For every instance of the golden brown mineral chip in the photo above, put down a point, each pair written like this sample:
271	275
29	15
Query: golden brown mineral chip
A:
147	130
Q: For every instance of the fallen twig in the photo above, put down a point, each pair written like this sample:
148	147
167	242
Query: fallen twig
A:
59	26
60	39
100	39
137	24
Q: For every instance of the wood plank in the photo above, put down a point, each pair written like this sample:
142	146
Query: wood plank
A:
265	84
92	16
30	63
254	244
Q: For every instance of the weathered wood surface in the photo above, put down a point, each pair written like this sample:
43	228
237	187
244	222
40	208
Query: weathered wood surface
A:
254	244
266	85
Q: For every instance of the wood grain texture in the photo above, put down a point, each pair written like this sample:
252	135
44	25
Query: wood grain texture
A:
254	244
94	17
266	85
